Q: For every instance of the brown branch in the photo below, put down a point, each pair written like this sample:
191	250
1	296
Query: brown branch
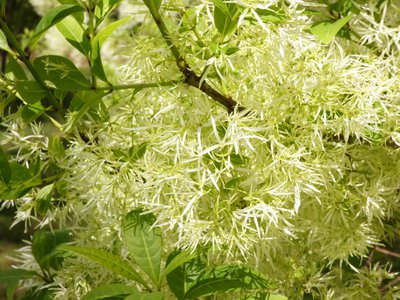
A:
191	78
392	283
387	252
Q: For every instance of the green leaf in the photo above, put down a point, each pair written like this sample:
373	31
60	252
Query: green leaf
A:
227	278
144	243
153	5
10	279
109	290
14	70
44	244
86	100
226	16
108	30
51	18
60	73
103	8
5	169
20	182
96	63
178	260
326	31
182	277
31	112
30	91
107	260
150	296
137	152
43	198
56	148
4	43
74	33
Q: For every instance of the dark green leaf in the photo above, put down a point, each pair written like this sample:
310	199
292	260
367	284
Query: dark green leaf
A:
137	152
10	279
177	260
96	63
31	112
74	33
182	277
60	73
56	148
144	243
5	170
109	290
226	278
51	18
326	31
150	296
30	91
20	182
43	246
43	198
14	70
108	260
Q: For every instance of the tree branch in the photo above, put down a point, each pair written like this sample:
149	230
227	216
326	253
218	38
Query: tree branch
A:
191	78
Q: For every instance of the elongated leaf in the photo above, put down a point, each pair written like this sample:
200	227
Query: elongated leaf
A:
20	182
226	278
51	18
96	63
30	91
10	279
56	148
144	243
110	290
107	260
178	260
43	246
109	29
74	33
182	277
153	5
83	102
31	112
43	198
226	17
5	170
60	73
326	31
4	44
14	70
150	296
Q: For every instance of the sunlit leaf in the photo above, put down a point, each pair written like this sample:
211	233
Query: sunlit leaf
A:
110	290
60	73
51	18
144	243
74	33
326	31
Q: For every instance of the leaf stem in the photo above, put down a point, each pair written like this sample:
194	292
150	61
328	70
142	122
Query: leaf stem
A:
191	78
